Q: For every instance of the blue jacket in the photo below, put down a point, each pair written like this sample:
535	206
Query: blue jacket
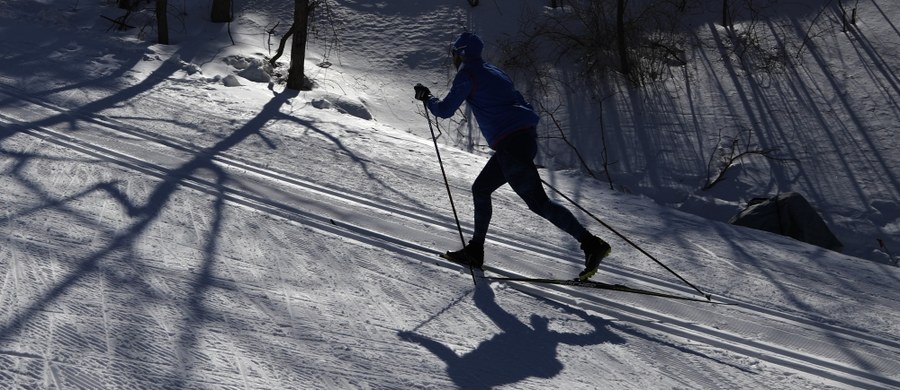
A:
499	108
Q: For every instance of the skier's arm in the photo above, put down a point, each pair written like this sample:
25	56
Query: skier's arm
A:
462	86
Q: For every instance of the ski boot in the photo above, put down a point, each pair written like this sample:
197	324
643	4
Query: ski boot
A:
595	249
471	255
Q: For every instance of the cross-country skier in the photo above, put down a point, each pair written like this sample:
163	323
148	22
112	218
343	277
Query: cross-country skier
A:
508	123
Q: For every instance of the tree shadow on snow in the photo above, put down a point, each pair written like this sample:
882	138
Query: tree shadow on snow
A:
518	352
122	242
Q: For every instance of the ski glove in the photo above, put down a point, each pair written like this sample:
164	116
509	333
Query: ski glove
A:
422	93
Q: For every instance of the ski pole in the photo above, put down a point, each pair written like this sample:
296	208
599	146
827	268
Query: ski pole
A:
707	296
447	184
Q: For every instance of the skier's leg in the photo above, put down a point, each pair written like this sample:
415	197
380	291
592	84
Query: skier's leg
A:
516	161
528	186
526	182
488	181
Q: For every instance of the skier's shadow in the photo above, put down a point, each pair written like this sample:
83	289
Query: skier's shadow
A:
520	351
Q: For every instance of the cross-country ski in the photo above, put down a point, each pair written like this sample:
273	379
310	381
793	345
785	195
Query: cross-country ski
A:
600	285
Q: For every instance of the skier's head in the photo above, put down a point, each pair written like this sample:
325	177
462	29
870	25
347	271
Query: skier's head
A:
466	46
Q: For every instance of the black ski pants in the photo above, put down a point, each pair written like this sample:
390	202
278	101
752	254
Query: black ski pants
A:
513	163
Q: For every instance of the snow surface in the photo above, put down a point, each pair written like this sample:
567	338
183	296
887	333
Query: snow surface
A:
161	229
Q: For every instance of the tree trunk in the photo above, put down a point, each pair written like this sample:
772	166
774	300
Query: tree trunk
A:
620	32
162	21
296	77
280	51
726	18
221	11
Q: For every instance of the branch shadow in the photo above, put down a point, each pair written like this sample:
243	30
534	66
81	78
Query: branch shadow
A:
122	243
356	159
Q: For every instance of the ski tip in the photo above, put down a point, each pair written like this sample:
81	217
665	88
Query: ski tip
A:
709	297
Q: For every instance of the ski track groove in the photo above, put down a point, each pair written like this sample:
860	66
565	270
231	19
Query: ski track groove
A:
660	322
104	310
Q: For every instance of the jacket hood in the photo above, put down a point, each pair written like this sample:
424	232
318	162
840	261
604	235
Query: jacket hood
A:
468	45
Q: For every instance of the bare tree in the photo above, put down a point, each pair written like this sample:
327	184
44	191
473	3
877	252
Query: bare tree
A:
296	76
726	15
625	66
728	153
564	138
162	21
847	21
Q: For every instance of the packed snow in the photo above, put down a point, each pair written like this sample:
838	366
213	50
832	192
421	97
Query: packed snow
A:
172	217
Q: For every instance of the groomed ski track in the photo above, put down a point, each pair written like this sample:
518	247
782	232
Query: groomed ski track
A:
846	357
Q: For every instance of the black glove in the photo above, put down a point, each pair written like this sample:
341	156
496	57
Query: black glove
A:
422	93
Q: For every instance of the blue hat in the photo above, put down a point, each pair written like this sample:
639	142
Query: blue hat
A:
468	45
